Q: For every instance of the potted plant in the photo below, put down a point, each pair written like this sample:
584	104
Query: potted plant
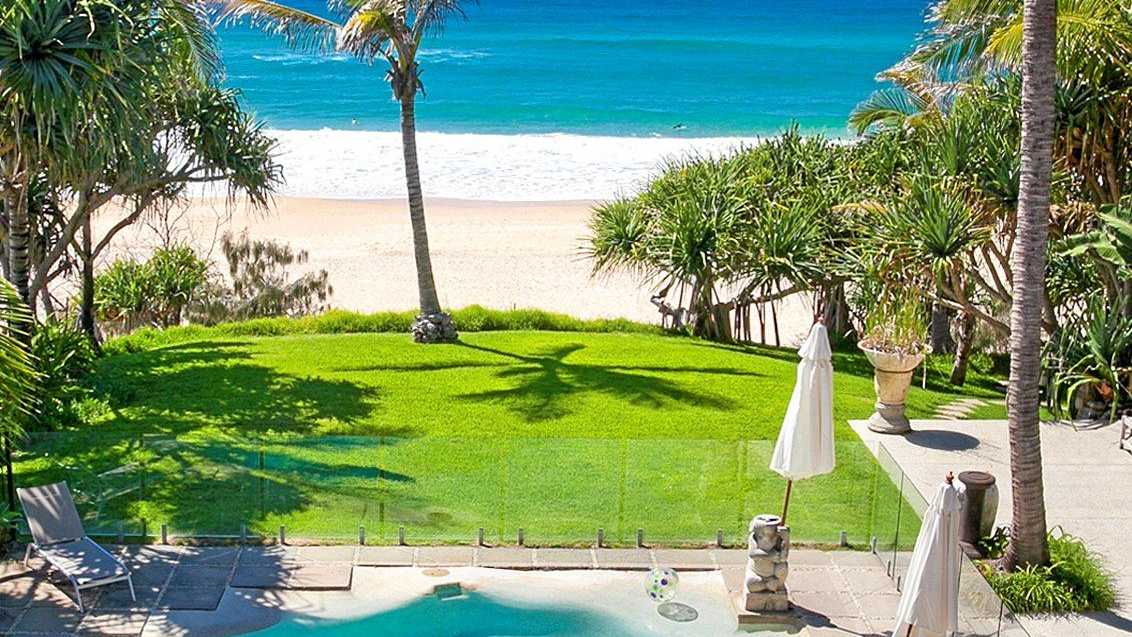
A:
895	343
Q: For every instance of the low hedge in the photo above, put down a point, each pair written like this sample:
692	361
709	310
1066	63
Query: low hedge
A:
474	318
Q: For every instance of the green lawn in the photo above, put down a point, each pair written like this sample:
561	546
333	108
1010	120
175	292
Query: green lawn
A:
557	433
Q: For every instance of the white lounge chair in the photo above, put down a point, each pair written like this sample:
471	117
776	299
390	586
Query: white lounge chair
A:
58	535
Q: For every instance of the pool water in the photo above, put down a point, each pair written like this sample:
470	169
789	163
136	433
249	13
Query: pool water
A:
516	604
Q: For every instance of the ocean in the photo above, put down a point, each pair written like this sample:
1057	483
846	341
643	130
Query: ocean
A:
570	99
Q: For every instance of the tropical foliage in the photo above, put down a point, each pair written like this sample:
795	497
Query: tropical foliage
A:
109	100
131	294
1074	581
63	356
722	234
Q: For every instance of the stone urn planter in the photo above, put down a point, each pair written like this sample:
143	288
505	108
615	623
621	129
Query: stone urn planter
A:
892	377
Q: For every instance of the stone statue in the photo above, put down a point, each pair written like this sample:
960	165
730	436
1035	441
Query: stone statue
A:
768	547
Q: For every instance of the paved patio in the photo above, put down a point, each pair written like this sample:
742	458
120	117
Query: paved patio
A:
1088	489
197	591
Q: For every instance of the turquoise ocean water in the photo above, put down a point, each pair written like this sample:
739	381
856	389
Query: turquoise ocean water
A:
682	68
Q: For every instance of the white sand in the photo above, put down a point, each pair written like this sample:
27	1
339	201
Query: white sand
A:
496	254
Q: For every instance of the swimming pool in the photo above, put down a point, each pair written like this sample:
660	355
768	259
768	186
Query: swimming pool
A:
498	603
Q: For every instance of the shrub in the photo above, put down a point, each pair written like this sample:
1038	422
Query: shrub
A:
473	318
261	285
1073	582
131	294
63	356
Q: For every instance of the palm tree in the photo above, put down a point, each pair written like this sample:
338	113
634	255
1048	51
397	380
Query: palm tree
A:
1028	545
391	30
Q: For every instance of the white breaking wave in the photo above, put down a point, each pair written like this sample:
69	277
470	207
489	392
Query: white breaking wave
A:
548	167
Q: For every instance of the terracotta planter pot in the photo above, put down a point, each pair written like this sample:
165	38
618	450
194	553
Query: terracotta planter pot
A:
892	377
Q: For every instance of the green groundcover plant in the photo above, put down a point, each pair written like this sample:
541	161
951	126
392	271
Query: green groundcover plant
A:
1073	582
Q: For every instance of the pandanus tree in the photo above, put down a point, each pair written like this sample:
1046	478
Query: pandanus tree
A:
62	71
392	31
105	100
682	233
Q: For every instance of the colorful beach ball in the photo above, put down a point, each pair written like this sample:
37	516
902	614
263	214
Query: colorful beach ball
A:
661	584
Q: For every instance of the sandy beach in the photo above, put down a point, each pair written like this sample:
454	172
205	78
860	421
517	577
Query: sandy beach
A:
496	254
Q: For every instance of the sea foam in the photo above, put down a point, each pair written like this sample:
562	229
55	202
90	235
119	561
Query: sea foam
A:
537	167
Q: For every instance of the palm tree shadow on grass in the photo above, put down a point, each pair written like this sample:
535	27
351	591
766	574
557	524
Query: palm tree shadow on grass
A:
545	383
218	386
191	423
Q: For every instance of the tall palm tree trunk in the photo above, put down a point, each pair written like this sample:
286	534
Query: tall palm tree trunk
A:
1028	534
432	325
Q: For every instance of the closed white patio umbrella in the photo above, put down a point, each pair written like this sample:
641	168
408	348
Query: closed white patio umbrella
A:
929	605
805	442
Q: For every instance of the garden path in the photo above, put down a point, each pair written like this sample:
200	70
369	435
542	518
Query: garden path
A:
1087	487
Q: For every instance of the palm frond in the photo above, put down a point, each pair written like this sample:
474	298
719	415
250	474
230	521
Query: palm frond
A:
300	28
430	16
888	108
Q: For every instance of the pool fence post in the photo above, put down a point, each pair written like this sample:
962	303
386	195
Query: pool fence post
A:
719	538
600	537
243	534
401	535
873	545
282	534
844	539
361	536
520	536
640	538
164	533
121	532
479	537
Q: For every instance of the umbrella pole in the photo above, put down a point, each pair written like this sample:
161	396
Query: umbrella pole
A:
786	504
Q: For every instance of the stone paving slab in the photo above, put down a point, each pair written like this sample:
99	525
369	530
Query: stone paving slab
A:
624	559
117	597
327	553
192	598
268	554
386	556
828	604
116	623
321	577
259	576
809	557
208	555
200	576
505	557
564	558
734	557
17	591
440	556
879	606
49	619
152	573
817	579
687	560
